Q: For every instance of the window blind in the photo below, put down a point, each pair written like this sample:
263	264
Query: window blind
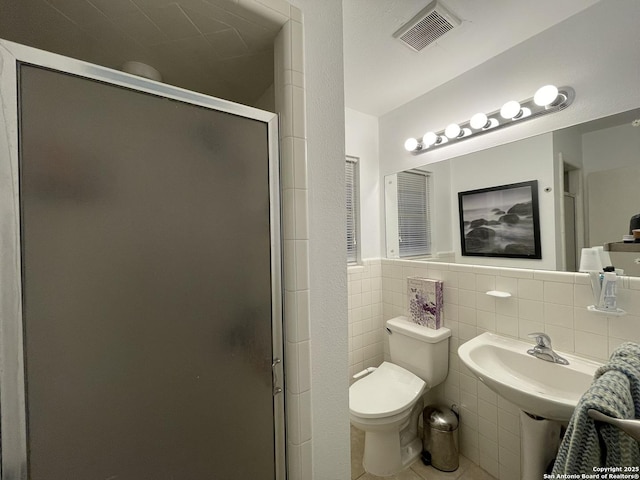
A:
414	229
352	210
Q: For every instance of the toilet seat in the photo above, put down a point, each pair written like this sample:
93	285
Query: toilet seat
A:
385	392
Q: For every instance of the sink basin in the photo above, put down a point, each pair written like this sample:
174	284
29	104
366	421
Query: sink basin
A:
538	387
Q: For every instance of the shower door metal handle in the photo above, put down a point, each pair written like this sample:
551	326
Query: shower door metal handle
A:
276	389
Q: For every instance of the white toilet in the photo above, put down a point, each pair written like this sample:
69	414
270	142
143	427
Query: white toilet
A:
387	403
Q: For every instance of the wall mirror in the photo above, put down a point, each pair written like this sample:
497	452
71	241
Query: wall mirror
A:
588	178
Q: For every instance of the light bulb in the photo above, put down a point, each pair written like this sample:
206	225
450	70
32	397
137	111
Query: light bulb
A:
429	139
410	144
545	95
452	130
510	109
478	121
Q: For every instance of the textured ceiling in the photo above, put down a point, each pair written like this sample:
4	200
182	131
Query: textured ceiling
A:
215	47
381	73
219	48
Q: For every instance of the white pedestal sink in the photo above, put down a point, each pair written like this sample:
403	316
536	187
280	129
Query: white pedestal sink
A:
546	392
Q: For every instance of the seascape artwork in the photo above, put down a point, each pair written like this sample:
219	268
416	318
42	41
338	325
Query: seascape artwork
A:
501	221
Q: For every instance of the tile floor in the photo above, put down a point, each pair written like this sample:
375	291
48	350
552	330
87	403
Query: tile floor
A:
417	471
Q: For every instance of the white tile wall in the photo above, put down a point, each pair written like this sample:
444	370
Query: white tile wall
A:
290	104
551	302
365	316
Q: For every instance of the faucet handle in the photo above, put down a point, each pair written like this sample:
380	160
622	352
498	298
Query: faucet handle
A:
542	339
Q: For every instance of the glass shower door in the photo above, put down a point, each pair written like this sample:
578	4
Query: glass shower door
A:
147	285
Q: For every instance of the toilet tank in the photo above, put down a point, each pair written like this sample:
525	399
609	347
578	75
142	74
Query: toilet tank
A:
421	350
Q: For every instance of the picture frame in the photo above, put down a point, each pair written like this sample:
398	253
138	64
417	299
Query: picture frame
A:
501	221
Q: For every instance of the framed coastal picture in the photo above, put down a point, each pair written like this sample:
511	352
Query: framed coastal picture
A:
501	221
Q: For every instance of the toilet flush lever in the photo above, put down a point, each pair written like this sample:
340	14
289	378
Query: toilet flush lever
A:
274	375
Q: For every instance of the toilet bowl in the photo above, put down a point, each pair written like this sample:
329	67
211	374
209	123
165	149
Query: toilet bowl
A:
387	403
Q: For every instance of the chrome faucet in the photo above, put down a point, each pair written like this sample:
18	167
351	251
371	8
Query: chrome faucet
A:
543	349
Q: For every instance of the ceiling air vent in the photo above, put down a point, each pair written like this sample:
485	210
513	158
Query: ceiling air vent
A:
427	26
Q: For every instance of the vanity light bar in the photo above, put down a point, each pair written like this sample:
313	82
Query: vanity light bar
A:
548	99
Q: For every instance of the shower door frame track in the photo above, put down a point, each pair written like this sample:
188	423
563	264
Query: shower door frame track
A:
13	427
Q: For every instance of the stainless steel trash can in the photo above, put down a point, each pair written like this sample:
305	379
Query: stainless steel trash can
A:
440	441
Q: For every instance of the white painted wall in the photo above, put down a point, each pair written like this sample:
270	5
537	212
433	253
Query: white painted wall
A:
568	142
267	100
444	206
362	142
612	185
599	155
529	159
612	176
567	152
324	85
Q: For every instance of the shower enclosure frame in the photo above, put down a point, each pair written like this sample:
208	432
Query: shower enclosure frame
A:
13	416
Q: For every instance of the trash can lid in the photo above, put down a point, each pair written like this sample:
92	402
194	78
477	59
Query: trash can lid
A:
440	418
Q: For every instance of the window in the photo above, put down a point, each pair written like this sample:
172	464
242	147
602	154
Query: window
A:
352	209
414	229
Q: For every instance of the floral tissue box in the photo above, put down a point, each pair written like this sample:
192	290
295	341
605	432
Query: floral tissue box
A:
425	301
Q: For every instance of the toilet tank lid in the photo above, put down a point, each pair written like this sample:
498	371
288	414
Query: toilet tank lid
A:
405	326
